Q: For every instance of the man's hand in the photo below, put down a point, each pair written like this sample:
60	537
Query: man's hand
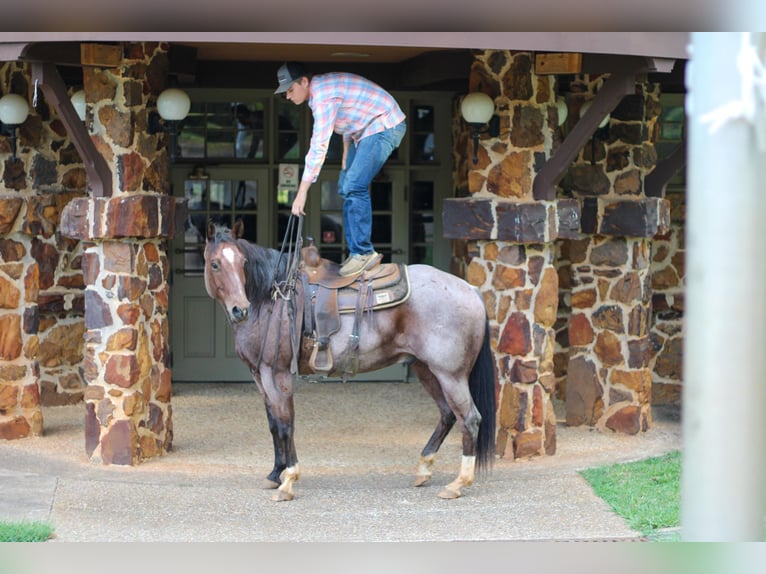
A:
299	203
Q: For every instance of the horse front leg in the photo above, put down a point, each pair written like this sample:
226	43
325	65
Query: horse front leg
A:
281	411
291	469
272	481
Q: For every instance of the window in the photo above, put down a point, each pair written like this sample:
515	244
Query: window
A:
423	144
232	130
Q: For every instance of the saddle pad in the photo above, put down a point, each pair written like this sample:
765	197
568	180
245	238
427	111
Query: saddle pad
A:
388	288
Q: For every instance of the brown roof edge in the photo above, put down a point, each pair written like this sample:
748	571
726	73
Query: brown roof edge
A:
655	44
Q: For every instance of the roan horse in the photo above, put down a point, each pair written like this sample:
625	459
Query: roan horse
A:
441	329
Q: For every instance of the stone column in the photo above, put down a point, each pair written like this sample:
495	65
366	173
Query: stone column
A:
125	265
20	413
509	254
608	377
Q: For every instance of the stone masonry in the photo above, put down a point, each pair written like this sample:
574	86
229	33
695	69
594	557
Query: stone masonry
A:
128	415
591	248
508	251
41	303
84	280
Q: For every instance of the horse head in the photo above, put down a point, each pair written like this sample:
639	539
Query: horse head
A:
225	270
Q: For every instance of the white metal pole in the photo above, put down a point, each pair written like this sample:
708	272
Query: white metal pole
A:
724	412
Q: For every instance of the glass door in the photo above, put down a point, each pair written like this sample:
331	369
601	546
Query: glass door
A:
201	340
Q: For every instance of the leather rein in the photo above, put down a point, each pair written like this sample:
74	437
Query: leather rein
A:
290	253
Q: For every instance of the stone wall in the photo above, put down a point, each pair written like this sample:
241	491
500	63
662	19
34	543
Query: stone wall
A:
567	283
38	266
84	280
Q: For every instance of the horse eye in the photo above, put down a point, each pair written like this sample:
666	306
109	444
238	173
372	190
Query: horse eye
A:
214	265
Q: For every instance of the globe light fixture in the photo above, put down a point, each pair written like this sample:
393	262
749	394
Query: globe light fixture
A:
478	110
173	106
13	112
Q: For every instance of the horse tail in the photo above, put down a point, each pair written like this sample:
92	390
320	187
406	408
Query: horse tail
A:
482	386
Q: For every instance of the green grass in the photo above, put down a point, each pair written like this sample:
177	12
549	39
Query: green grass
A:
25	531
646	493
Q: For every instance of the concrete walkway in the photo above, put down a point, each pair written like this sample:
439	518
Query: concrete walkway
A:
358	444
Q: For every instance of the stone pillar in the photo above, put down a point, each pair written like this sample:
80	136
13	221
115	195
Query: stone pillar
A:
20	413
608	377
127	353
128	415
125	265
509	254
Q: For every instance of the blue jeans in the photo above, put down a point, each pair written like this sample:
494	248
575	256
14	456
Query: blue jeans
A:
363	162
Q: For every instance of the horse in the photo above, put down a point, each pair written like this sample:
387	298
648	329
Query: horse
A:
441	330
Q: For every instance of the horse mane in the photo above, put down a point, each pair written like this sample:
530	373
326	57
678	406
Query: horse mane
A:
260	266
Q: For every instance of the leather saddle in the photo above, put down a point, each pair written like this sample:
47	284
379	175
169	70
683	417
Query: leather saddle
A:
328	295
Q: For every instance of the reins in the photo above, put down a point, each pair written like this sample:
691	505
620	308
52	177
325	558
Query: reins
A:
286	288
290	252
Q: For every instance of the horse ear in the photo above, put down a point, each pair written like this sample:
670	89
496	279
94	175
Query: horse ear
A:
238	231
210	230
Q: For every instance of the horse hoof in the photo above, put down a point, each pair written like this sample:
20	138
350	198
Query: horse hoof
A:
269	484
282	496
448	494
421	480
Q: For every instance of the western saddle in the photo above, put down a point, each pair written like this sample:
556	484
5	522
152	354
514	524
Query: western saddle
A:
327	295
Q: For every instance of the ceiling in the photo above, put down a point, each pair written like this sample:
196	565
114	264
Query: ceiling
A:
248	52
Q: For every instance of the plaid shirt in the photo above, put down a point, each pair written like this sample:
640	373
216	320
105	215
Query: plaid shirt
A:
349	105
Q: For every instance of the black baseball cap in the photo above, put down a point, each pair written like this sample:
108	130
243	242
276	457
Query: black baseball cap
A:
288	73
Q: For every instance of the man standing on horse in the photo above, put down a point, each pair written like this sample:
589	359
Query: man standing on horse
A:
372	125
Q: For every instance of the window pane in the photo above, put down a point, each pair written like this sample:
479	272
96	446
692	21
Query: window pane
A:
422	137
219	116
220	144
196	117
329	198
423	195
335	148
220	195
288	124
332	228
381	229
423	119
194	229
381	195
423	147
246	195
248	121
191	143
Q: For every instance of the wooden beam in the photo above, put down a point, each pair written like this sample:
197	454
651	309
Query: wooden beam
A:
99	176
101	55
617	86
658	179
558	63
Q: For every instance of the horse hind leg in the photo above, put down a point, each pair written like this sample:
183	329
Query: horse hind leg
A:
471	421
457	394
446	422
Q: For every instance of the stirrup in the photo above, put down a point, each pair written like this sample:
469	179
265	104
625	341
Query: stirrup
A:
327	367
